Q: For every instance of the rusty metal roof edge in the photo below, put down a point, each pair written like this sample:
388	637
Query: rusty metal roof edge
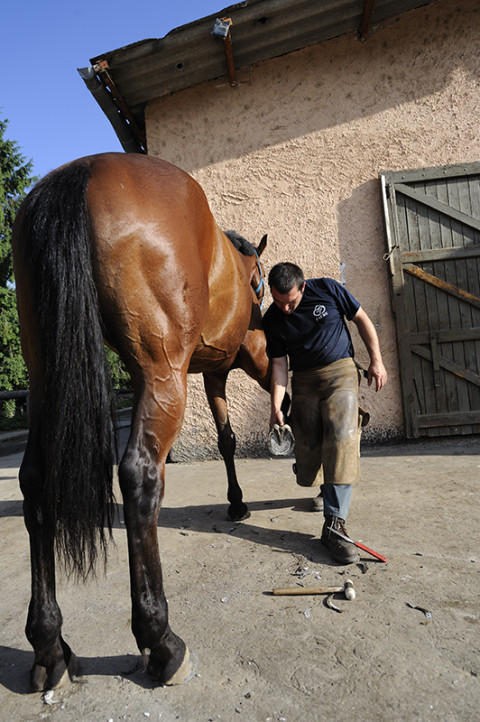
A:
172	35
190	55
186	35
197	34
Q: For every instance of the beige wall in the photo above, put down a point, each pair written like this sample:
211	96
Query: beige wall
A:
295	151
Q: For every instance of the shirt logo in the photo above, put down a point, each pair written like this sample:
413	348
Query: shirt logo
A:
320	312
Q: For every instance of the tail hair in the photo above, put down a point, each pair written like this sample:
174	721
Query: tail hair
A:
77	424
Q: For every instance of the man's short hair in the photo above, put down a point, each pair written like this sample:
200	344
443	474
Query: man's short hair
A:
284	276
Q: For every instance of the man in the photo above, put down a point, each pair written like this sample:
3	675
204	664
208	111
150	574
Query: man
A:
306	323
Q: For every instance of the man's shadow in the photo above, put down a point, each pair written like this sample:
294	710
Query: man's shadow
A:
213	518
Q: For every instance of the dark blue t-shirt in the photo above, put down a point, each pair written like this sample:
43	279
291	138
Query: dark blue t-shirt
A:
315	334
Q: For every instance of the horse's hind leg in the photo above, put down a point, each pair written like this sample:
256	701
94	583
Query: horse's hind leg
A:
53	657
156	422
215	390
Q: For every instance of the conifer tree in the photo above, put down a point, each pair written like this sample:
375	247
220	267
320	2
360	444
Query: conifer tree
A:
15	180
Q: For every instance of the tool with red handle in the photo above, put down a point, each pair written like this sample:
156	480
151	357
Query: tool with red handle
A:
358	544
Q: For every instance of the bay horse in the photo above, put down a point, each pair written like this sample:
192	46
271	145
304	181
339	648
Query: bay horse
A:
121	249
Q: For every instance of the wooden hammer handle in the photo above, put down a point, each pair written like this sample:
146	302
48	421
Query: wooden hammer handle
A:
281	591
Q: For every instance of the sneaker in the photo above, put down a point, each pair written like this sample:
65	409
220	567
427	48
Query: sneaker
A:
340	550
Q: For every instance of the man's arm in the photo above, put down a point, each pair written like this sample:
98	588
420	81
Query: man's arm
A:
278	387
369	336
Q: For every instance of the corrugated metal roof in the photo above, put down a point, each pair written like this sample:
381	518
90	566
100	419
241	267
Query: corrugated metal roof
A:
261	29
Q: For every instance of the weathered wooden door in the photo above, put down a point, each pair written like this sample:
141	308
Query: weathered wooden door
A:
433	231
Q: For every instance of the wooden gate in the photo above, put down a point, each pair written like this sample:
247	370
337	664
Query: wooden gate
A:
433	232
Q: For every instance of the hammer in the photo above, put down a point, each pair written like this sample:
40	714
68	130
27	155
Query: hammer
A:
347	589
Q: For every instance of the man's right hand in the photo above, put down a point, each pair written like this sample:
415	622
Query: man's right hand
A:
276	417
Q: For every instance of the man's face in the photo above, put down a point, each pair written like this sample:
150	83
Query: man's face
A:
287	302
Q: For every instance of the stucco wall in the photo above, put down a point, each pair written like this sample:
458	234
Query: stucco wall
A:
295	151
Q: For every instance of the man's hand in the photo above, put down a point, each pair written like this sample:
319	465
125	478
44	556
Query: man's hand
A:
369	336
276	417
378	372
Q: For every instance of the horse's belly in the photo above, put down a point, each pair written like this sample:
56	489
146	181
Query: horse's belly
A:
212	356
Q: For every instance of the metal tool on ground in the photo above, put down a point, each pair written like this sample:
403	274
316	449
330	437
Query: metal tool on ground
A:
358	544
347	589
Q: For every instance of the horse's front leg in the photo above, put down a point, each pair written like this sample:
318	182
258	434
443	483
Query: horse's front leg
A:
215	389
54	659
141	476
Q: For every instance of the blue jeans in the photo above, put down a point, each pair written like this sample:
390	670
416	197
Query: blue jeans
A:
336	499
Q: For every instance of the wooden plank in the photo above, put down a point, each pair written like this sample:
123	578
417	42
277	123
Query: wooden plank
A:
455	419
444	171
447	390
438	206
435	254
430	237
440	270
473	274
415	302
448	336
474	188
446	363
401	311
443	285
468	395
454	276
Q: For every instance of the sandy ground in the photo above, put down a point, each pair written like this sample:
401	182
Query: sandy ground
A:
262	657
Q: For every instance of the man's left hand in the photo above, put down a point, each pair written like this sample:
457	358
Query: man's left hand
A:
378	372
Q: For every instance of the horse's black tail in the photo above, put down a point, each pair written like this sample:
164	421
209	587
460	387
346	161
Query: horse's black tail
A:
77	421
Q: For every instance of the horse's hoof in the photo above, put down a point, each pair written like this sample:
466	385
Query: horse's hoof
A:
67	675
186	670
240	515
38	678
42	679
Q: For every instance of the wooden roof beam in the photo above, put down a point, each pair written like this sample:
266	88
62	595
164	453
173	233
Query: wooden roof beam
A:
368	10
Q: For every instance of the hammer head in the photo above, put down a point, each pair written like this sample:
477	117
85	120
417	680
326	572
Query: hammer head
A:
348	590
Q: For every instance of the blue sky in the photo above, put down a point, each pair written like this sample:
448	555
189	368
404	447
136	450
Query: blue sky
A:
52	116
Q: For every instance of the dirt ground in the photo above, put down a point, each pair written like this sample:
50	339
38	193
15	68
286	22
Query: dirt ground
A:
263	657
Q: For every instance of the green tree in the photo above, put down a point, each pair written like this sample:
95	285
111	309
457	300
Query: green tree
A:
13	372
15	180
120	376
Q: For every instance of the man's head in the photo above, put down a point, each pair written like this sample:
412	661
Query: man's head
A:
287	282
